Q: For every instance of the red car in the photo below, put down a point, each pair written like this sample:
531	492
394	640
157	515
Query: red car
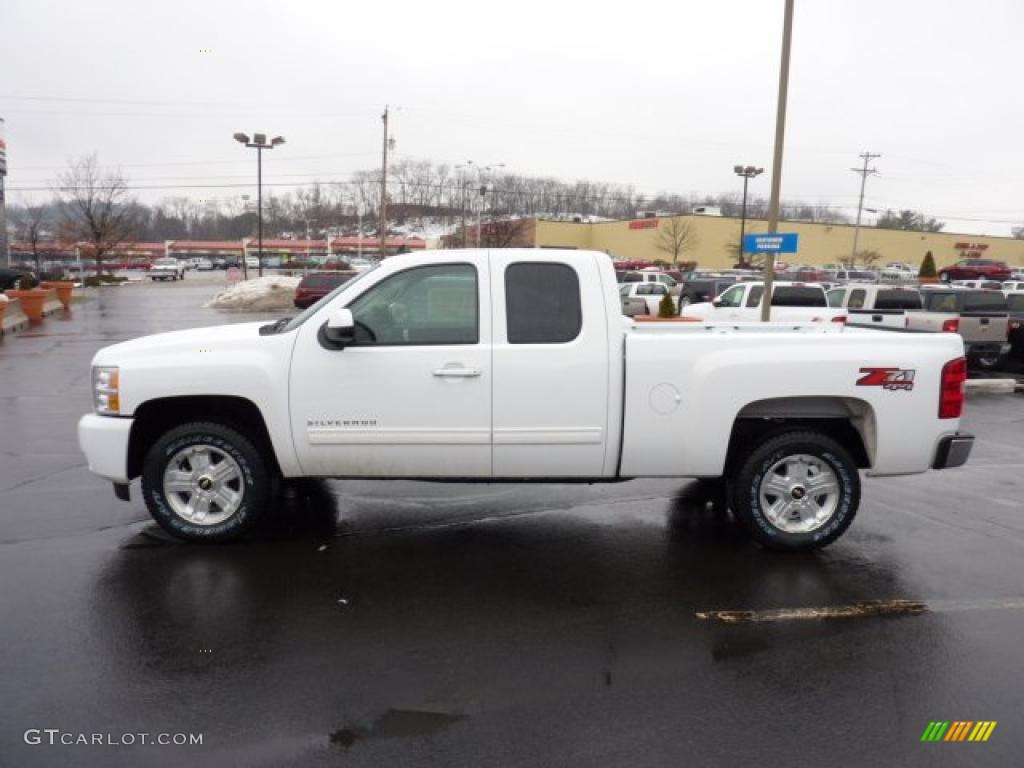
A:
976	269
316	285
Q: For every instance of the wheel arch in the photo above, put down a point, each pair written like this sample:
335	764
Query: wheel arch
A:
850	421
154	417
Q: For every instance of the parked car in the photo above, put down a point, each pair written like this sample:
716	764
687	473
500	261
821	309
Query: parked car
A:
898	271
988	285
854	276
791	302
1015	328
975	269
1012	285
252	262
315	285
9	277
510	364
203	265
635	297
701	289
875	305
168	268
980	317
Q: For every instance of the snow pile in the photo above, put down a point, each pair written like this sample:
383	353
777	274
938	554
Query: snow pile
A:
264	294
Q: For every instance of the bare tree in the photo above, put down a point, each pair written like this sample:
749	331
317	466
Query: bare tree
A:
502	233
97	207
34	222
676	237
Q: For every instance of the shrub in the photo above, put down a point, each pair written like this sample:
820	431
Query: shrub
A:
666	307
927	266
27	282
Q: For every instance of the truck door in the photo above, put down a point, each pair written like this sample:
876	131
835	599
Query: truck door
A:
412	396
551	366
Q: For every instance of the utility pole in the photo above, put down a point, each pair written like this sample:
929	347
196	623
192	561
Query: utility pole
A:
780	133
384	189
864	172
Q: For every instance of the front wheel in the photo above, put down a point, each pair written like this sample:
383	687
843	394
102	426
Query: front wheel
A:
205	482
797	491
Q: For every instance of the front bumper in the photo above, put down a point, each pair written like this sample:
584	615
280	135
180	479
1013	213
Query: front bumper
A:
104	441
953	451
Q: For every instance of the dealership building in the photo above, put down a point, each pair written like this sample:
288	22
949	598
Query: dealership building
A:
714	240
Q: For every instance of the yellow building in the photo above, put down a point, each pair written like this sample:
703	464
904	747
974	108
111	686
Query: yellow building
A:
715	239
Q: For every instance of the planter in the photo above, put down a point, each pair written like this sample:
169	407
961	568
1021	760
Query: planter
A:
928	280
656	319
31	302
64	290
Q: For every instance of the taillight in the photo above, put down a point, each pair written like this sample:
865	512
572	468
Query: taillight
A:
839	319
951	326
951	390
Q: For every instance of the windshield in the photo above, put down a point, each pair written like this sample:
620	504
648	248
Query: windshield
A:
305	314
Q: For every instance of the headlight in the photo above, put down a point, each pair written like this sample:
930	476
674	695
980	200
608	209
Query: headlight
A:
105	394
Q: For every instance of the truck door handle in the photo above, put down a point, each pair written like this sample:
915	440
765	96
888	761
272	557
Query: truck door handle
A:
876	318
457	373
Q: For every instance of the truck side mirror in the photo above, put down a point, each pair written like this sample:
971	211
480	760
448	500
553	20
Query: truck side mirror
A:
717	301
340	329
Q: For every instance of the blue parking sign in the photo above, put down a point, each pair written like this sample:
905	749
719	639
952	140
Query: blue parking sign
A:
780	242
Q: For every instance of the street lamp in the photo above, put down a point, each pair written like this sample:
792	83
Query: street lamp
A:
259	143
481	170
748	172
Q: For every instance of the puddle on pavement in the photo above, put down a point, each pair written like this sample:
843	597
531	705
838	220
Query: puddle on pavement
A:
397	723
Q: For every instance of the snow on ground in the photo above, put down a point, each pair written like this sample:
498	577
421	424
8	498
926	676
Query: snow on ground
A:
263	294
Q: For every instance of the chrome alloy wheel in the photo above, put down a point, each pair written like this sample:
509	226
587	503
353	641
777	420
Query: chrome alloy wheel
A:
799	493
203	485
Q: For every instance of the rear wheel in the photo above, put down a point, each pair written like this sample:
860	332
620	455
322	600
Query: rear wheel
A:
205	482
797	491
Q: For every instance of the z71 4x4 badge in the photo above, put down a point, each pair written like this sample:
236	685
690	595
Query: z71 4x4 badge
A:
887	378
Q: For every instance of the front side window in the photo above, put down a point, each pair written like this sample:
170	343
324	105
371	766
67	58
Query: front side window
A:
542	303
835	297
436	304
732	297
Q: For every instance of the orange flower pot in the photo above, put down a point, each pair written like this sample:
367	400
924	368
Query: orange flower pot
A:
64	290
31	302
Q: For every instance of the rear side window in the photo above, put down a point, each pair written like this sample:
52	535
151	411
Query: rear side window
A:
941	302
898	300
793	296
857	299
835	297
542	303
984	302
1015	303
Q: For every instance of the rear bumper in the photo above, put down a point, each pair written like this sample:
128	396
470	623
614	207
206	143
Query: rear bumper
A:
953	451
980	348
104	441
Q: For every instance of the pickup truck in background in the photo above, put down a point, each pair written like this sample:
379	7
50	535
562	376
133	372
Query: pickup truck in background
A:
517	365
699	289
643	298
791	302
980	317
873	305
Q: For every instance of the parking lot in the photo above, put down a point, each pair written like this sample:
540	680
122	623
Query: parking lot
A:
407	623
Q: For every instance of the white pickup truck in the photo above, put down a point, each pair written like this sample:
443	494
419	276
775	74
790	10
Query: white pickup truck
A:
517	365
791	302
875	306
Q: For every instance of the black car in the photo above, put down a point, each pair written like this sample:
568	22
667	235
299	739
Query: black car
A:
9	277
1015	308
703	289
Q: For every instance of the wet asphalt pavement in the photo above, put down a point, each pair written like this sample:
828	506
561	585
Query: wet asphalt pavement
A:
385	624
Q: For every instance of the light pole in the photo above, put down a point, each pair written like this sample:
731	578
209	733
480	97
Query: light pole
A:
259	143
748	172
481	170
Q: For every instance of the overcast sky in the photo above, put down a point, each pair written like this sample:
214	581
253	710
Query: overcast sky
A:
663	96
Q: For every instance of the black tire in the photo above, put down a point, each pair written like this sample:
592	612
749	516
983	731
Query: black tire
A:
745	486
986	362
255	485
